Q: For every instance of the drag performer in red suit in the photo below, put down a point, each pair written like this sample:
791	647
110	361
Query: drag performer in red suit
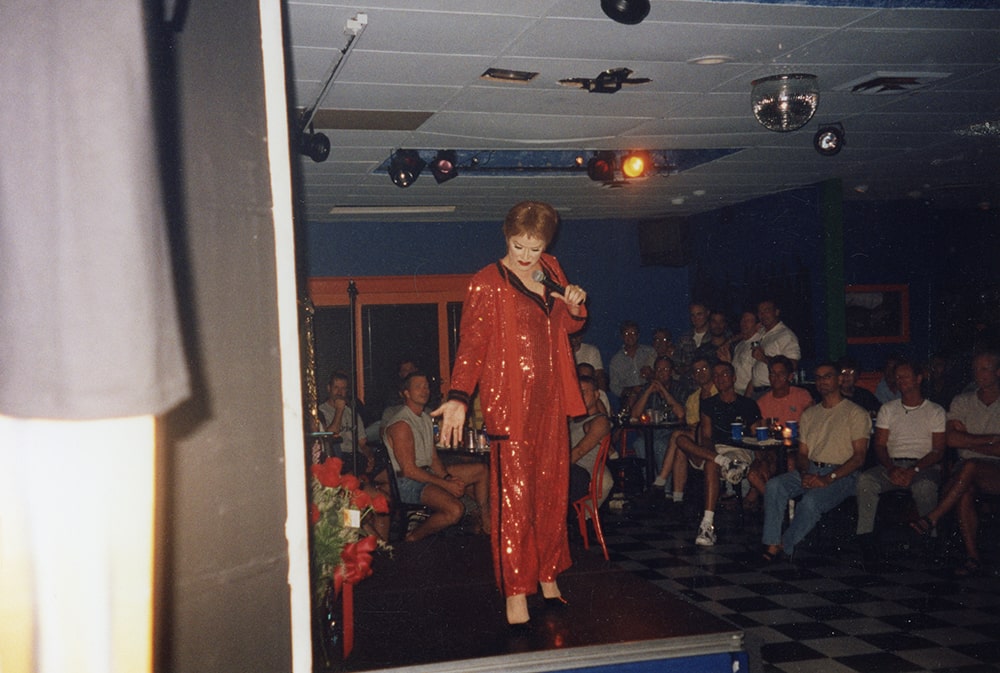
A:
514	343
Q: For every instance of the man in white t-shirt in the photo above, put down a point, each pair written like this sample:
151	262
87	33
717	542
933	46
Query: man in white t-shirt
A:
741	357
909	444
777	339
589	354
974	429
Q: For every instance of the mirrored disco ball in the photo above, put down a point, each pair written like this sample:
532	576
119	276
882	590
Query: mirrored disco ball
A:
785	102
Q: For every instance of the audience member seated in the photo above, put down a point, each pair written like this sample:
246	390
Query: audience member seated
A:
713	451
701	369
887	389
632	366
603	403
663	343
393	397
690	341
719	337
783	402
585	435
939	381
662	395
421	476
337	417
849	389
588	353
908	445
739	351
392	401
833	440
974	429
777	339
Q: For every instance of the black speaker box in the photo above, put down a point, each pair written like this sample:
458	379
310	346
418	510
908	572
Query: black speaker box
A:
664	242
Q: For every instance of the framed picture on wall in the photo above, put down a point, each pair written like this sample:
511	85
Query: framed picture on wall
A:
877	314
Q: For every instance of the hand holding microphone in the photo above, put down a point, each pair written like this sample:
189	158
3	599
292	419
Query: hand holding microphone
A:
573	295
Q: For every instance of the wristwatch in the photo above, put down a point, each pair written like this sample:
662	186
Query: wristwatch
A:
833	476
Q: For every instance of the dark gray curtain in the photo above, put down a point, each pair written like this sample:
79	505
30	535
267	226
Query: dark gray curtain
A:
88	324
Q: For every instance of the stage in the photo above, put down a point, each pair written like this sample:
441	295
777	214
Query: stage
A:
433	606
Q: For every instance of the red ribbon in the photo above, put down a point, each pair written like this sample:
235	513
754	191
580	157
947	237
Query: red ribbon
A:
356	565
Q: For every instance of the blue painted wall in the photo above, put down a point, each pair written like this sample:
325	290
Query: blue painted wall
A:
766	248
769	246
774	245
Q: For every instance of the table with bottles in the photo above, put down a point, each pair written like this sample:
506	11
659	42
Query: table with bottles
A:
475	443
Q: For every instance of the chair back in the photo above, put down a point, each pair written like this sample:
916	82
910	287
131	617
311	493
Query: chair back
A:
597	478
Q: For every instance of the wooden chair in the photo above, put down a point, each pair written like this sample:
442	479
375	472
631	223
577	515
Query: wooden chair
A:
590	503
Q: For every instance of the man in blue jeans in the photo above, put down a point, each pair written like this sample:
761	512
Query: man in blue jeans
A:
833	440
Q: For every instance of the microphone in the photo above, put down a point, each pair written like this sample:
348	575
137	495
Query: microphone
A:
539	277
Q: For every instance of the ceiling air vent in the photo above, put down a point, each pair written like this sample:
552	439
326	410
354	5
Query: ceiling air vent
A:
887	83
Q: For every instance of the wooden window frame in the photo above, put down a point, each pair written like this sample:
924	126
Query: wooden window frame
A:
439	289
903	336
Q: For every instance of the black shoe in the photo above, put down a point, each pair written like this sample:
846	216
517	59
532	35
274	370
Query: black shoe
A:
556	602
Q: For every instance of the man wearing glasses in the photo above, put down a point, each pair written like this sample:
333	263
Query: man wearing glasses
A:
833	440
632	366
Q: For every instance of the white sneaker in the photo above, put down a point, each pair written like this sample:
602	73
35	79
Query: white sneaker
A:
706	535
735	471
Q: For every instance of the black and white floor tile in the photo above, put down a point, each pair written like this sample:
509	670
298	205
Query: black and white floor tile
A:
823	613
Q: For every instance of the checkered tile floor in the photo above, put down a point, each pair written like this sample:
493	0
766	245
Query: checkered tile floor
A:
823	613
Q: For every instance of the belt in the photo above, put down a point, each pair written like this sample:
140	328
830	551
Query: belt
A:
905	460
822	465
760	389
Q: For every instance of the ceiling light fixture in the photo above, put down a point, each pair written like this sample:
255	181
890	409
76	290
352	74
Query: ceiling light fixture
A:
784	102
608	81
711	59
636	164
405	167
629	12
601	167
504	75
314	145
829	140
445	166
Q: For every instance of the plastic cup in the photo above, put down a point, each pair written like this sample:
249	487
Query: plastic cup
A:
762	434
794	427
736	429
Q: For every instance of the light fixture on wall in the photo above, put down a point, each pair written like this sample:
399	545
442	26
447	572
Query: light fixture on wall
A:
314	145
829	139
445	166
601	167
405	167
628	12
636	164
784	102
